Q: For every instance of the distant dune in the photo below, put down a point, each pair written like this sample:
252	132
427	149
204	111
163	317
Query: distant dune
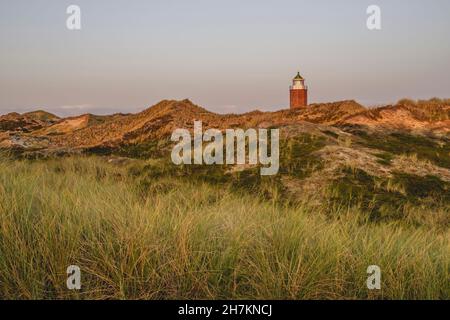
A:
42	130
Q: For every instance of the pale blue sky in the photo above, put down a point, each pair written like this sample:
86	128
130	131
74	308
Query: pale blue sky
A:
228	56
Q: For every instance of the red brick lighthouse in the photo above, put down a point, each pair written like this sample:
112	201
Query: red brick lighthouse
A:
299	92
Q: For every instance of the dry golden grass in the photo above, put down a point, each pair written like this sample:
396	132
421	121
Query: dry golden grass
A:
177	239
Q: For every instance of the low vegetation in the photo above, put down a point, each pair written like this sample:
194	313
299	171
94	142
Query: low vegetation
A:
434	150
434	109
396	198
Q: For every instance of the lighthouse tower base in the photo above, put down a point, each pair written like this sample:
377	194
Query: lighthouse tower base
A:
299	98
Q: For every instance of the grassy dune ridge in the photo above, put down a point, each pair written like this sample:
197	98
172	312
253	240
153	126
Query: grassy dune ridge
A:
172	238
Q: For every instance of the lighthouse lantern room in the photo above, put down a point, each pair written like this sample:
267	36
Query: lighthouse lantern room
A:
298	92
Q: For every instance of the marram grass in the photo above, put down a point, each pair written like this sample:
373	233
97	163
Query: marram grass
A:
192	240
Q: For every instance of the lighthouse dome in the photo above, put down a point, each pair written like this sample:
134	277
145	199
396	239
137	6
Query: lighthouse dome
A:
298	77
